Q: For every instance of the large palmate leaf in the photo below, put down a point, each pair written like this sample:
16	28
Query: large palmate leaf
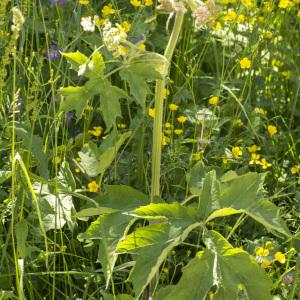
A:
238	194
150	245
76	98
224	272
95	161
111	227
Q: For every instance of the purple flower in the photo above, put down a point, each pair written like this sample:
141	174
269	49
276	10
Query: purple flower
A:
53	53
288	278
55	2
70	117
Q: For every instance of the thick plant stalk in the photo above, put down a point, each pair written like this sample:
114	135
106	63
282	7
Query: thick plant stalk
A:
158	118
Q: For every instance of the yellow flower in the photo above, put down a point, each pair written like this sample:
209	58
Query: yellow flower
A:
285	4
126	26
253	148
286	74
217	26
265	164
248	3
56	160
168	131
280	257
148	2
295	169
272	129
254	159
173	107
106	10
262	252
93	187
213	100
136	3
269	245
261	111
265	263
142	47
84	2
178	131
241	19
88	108
168	125
151	112
182	119
166	93
238	123
100	21
123	50
236	152
77	170
245	63
96	131
197	156
230	16
164	140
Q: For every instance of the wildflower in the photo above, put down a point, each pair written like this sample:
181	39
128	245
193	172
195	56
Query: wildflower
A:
126	26
288	278
241	19
93	187
151	112
96	131
272	129
182	119
168	125
248	3
173	107
254	159
77	170
166	93
202	15
238	122
87	24
178	131
123	50
142	47
236	152
295	169
148	2
84	2
88	108
55	2
265	263
280	257
245	63
261	111
253	148
56	160
213	100
106	11
70	117
265	164
230	16
286	74
53	53
285	4
262	252
168	131
164	140
136	3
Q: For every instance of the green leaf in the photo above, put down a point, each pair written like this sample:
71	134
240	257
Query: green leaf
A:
117	297
122	197
93	162
94	211
224	268
65	176
34	144
21	230
76	59
150	245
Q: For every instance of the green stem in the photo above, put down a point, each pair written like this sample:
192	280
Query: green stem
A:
158	118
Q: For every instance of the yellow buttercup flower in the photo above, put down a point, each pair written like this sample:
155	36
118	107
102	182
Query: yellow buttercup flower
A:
236	152
265	164
178	131
166	93
148	2
126	26
151	112
56	160
136	3
245	63
280	257
142	47
96	131
272	129
262	251
93	187
295	169
84	2
238	122
213	100
253	148
182	119
173	106
255	159
285	4
265	263
106	10
123	50
197	156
